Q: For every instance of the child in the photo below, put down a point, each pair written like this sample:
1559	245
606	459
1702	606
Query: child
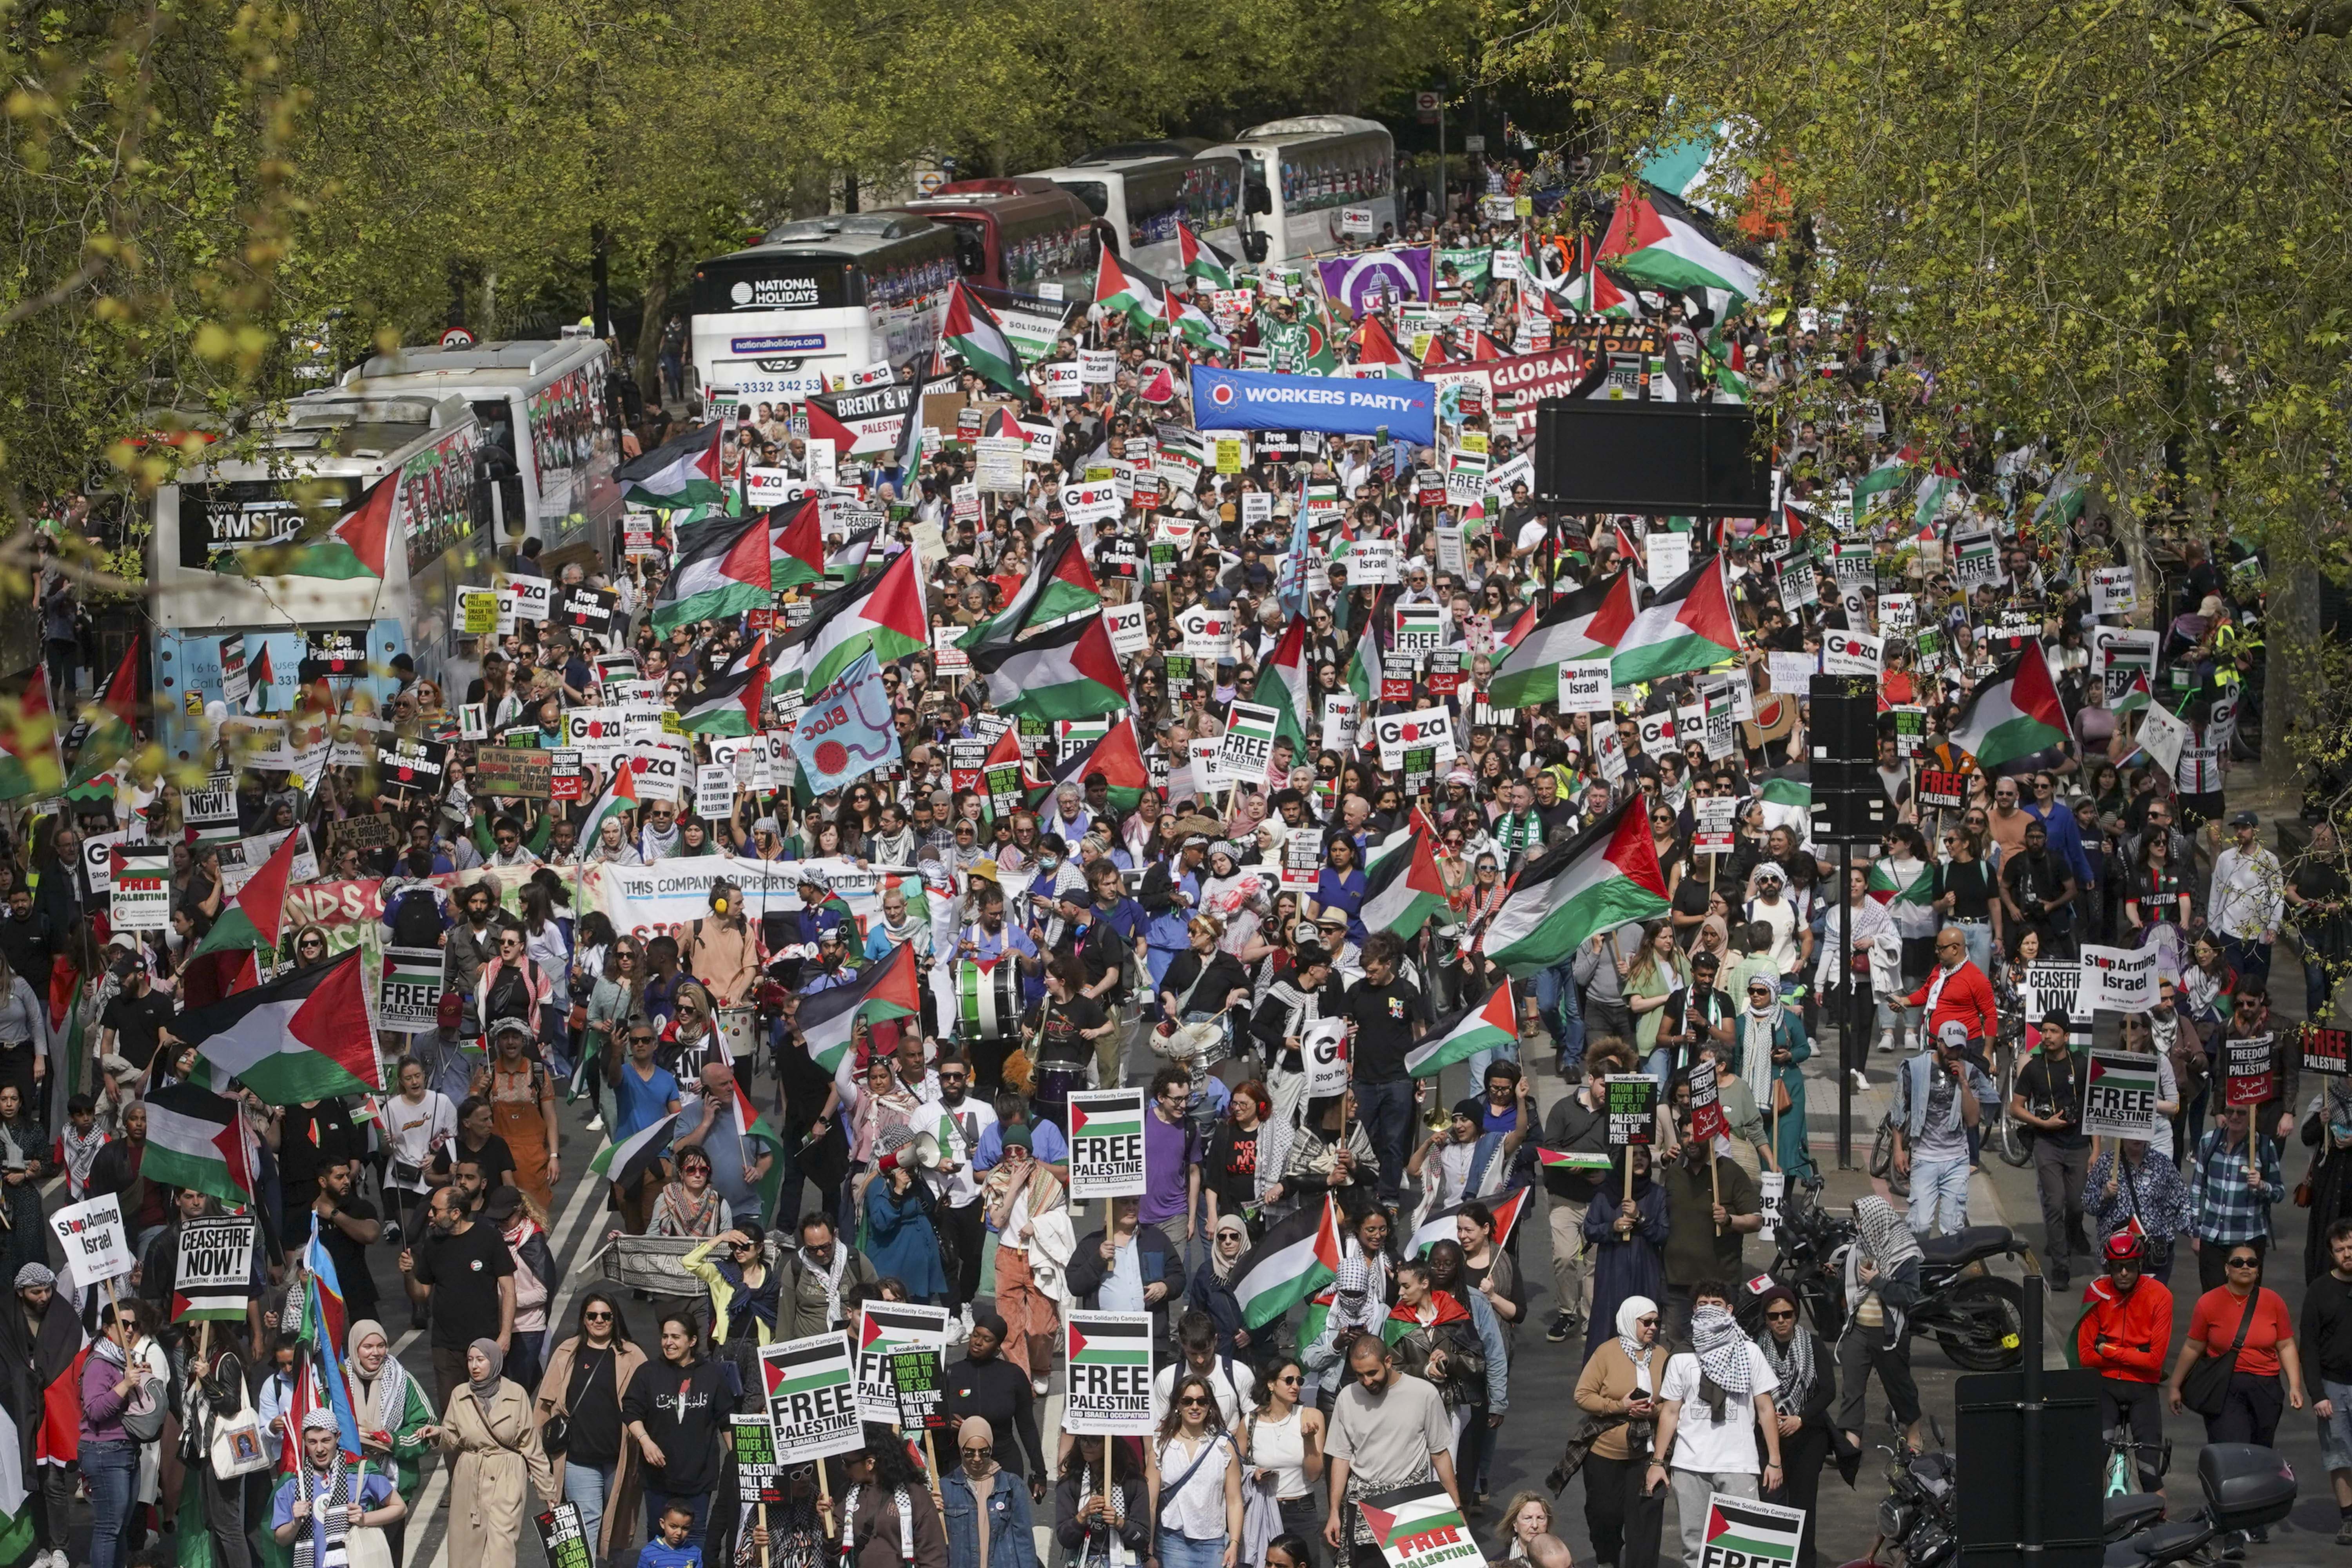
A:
78	1146
672	1551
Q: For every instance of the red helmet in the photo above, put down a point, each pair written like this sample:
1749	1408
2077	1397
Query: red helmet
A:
2123	1248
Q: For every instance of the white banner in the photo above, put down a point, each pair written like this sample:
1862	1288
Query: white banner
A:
667	896
1584	685
1850	653
1324	1048
1423	728
2119	979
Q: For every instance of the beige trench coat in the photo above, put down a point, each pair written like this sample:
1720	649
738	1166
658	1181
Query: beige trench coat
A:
489	1452
620	1502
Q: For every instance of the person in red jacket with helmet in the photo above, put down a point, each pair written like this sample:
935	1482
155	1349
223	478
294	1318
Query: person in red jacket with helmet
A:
2125	1331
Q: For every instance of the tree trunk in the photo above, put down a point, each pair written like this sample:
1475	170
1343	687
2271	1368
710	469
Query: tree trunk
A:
2291	655
649	325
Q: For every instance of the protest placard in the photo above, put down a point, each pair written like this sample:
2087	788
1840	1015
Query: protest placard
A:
1943	789
96	1247
1372	561
759	1474
1713	829
882	1329
2246	1063
1324	1048
1129	633
1419	1526
140	897
1751	1534
2119	979
409	998
1708	1120
1106	1142
1109	1363
1584	685
1423	728
813	1396
2111	591
2325	1051
564	1538
1771	1189
919	1383
524	771
215	1274
2119	1090
1632	1108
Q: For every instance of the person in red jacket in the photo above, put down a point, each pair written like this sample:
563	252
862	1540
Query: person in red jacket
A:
2125	1331
1957	990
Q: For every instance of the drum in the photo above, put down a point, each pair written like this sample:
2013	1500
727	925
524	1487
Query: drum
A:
740	1027
988	998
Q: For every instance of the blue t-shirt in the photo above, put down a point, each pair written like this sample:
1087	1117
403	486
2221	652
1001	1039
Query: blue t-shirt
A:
638	1103
658	1555
373	1494
1046	1145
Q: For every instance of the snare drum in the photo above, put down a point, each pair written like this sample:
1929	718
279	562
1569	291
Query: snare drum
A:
740	1027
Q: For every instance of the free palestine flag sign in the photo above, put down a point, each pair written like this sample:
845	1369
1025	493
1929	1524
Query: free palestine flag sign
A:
1110	1374
884	1327
1420	1524
811	1391
1760	1534
2119	1092
1106	1142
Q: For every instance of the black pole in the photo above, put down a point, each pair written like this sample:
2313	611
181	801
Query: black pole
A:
597	241
1846	1058
2029	1521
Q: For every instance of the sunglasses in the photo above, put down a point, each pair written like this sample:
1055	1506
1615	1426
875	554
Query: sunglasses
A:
1189	1402
981	1452
597	1317
2234	1263
1784	1315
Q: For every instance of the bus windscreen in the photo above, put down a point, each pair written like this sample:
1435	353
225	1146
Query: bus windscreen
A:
739	283
219	520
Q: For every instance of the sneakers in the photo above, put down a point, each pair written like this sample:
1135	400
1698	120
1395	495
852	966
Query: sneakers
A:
595	1124
2344	1534
1861	1081
1887	1045
1561	1327
1039	1386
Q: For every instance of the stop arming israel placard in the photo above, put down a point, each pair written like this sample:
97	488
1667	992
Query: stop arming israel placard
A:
1742	1533
2119	1095
97	1247
2119	979
1110	1374
1420	1525
812	1389
1106	1142
215	1269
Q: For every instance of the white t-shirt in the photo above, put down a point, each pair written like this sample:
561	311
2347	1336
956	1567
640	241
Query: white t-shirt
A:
417	1130
1700	1443
1231	1382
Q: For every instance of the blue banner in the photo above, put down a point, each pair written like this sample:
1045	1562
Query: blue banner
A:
1334	404
845	733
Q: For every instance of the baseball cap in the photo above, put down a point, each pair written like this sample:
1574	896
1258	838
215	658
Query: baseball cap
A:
1953	1033
2244	819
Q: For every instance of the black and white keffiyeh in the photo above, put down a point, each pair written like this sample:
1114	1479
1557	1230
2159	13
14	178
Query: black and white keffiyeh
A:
1722	1350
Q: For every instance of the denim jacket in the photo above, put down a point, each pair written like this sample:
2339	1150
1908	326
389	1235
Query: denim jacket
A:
1012	1542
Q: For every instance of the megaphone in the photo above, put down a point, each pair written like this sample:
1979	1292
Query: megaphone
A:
921	1152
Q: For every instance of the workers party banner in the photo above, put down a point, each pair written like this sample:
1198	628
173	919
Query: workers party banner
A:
1335	406
2119	1090
1751	1534
812	1390
1106	1142
1420	1525
1110	1374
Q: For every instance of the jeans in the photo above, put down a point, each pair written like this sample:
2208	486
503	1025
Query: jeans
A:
1571	1262
1556	1000
1179	1551
113	1471
1978	937
1691	1491
2250	956
657	1503
585	1488
524	1349
1939	1183
2335	1432
1386	1109
1481	1060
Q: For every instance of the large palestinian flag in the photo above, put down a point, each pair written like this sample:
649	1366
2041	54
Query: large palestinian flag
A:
691	478
1124	289
722	571
2013	716
886	988
1402	889
1060	585
1689	626
304	1036
625	1164
1506	1209
1490	1024
1282	686
1070	672
729	705
1117	757
882	610
1294	1259
1602	878
195	1138
971	328
113	732
796	549
1656	239
254	919
1581	625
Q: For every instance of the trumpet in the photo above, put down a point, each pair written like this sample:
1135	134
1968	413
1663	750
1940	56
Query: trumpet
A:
1438	1117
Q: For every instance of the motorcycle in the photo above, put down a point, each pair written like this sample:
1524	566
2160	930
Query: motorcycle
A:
1976	1316
1914	1518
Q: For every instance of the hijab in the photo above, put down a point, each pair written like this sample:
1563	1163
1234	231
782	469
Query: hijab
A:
1217	1260
486	1389
1630	1313
379	1402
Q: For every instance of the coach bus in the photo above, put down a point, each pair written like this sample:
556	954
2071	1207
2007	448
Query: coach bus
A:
1139	191
820	295
546	444
279	482
1310	167
1016	235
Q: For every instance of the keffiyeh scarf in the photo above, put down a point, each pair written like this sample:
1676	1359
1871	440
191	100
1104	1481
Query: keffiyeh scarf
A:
1722	1350
1791	1365
831	1276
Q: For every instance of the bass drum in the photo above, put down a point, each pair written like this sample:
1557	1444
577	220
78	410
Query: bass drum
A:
740	1027
987	1017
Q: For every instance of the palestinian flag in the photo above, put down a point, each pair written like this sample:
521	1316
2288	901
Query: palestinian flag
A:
1424	1509
2013	716
304	1036
16	1535
1584	623
355	545
1523	623
113	723
971	328
819	1362
1486	1026
1658	240
1591	1161
1282	686
1294	1259
692	478
1436	355
1942	480
1402	889
2135	698
1688	626
1070	672
1439	1226
1484	348
729	705
1117	757
618	800
1364	673
1375	346
29	742
1202	260
1890	475
883	611
1604	877
796	549
889	987
1886	888
1788	803
1595	293
1196	327
255	919
625	1164
721	571
196	1138
1059	586
1125	290
262	677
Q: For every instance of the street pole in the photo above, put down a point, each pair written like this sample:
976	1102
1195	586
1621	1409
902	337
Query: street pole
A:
2029	1513
1441	157
1846	1061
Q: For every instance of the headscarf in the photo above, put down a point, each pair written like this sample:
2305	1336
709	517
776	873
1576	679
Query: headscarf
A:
1884	1236
1756	1032
1722	1350
975	1429
1630	1313
1793	1366
380	1403
32	1276
1217	1259
485	1389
